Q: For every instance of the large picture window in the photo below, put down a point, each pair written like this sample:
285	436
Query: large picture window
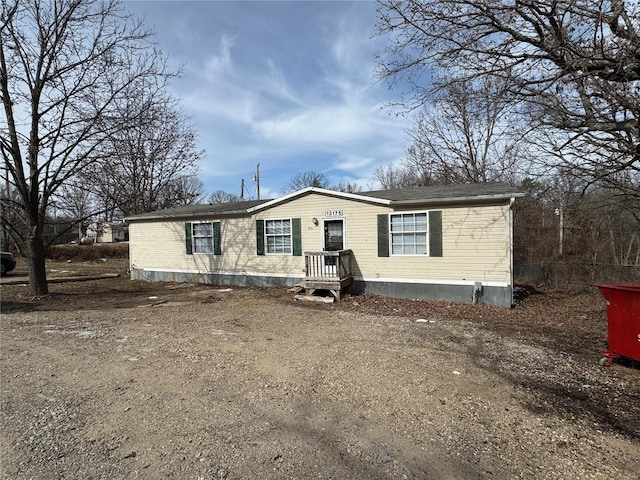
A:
409	234
278	236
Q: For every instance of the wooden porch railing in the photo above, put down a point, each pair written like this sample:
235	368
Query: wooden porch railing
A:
328	266
327	271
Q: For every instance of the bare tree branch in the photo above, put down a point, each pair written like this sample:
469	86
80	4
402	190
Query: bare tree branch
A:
66	66
573	66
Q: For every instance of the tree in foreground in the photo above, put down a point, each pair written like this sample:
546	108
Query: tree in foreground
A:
572	65
66	69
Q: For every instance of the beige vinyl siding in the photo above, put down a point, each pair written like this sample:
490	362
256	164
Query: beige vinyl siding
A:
475	240
475	247
475	243
161	246
156	244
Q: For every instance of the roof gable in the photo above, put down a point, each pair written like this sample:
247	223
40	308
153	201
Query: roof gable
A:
322	191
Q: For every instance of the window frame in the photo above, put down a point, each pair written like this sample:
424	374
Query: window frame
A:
426	233
267	235
194	237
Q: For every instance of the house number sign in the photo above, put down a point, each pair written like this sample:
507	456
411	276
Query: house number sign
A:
333	213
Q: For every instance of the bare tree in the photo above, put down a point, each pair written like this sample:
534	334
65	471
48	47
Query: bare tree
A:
180	191
573	65
468	134
15	223
399	176
65	68
220	196
152	164
347	187
76	202
306	179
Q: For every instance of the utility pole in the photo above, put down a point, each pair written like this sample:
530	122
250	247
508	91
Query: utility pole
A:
242	189
256	178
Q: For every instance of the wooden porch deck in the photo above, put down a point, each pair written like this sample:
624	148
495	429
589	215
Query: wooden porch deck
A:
329	271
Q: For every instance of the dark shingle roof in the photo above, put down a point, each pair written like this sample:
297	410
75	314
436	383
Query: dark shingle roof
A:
445	192
212	210
435	194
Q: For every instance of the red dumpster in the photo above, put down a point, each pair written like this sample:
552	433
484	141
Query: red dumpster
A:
623	321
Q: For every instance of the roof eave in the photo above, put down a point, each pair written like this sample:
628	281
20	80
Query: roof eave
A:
186	216
459	200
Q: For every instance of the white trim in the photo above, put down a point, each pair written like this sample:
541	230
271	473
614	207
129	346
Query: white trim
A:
427	233
435	281
193	237
331	268
511	203
322	191
282	235
344	231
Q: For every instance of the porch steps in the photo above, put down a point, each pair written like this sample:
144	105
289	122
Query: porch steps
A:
299	287
315	298
327	274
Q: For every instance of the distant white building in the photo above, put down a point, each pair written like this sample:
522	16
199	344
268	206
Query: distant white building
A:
105	232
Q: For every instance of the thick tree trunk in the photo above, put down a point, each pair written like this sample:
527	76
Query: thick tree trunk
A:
37	269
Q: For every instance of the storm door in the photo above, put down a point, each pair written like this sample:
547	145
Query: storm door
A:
333	241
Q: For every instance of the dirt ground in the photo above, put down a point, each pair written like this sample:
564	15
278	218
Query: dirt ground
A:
114	379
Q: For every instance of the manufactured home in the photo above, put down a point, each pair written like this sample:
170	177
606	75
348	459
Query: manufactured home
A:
451	242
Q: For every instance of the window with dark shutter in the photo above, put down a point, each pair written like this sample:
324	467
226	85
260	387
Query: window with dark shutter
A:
296	230
435	233
260	237
188	239
383	235
279	237
410	233
217	247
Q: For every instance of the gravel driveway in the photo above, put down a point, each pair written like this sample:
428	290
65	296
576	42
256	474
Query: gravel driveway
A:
210	383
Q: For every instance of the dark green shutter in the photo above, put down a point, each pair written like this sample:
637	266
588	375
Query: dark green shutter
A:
188	239
217	248
296	231
435	233
260	237
383	235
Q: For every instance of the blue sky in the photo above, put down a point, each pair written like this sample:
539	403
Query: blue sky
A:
286	84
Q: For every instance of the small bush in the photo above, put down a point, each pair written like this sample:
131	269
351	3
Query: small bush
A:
88	252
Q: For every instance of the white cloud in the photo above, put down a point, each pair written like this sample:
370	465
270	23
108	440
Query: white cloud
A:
319	125
220	63
352	162
288	85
